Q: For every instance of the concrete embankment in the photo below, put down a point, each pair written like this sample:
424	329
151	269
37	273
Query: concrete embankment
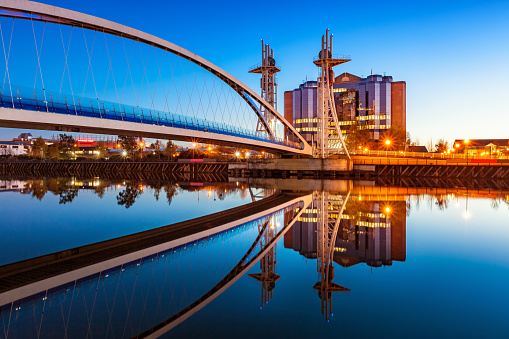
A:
370	167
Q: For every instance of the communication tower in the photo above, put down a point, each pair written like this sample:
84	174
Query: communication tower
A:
268	83
329	137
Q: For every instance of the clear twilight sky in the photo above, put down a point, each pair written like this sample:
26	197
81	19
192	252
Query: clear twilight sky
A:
453	55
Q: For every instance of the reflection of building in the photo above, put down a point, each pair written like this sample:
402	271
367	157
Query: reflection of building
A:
375	103
368	234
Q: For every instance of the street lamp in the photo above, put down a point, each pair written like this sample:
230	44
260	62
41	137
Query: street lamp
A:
387	143
466	141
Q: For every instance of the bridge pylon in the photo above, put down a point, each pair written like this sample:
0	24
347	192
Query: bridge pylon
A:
329	137
329	210
268	84
268	276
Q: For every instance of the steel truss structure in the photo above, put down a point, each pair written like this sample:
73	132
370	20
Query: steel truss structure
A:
329	137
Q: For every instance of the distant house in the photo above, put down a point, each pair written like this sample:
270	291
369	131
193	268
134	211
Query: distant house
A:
13	148
24	137
421	149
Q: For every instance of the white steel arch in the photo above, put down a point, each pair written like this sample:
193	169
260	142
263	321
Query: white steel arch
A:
53	14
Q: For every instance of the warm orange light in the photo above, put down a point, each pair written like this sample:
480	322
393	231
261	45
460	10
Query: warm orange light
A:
457	145
360	147
118	145
141	144
194	145
140	188
365	150
210	148
467	141
387	209
263	152
387	142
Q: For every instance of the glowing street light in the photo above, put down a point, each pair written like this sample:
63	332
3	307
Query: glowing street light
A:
387	143
124	153
247	154
237	154
466	141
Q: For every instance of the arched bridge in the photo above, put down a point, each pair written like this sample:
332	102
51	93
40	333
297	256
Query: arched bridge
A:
69	71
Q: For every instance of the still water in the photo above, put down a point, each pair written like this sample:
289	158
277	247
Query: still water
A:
292	259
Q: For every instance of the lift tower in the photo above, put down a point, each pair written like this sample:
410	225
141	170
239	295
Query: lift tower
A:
329	137
268	276
329	209
268	84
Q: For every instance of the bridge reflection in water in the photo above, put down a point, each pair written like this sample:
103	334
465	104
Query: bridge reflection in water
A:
145	284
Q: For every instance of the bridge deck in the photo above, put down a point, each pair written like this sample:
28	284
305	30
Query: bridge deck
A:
125	113
29	271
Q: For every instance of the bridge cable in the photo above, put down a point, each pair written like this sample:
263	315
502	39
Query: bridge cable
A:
161	77
39	60
128	60
66	66
130	302
145	76
177	92
89	54
166	92
70	308
93	306
110	67
6	57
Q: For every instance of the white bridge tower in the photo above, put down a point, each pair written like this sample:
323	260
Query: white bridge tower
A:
268	84
329	137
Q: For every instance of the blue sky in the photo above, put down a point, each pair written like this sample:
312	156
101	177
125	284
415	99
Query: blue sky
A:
452	54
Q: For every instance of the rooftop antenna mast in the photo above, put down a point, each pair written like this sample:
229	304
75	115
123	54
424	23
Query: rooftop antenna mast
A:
268	84
329	137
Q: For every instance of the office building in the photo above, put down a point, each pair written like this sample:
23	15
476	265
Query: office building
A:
374	103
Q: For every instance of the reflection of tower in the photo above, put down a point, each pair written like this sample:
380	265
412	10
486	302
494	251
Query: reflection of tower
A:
329	210
329	137
268	85
267	277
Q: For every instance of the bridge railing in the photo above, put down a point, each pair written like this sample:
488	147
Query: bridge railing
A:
46	101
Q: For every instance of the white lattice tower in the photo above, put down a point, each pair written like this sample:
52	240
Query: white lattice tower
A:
329	137
268	276
268	85
329	209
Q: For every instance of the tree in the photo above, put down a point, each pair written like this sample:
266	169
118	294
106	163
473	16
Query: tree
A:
171	191
397	136
441	146
54	151
39	148
356	137
170	149
100	150
128	144
128	196
67	144
157	146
